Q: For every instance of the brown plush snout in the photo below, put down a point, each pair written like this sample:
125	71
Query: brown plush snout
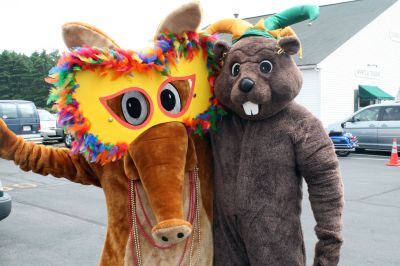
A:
246	84
249	89
160	157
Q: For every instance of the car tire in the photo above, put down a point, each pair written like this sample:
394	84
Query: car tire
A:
5	206
360	149
343	153
68	140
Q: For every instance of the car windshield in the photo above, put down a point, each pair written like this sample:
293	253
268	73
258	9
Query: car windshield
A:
46	116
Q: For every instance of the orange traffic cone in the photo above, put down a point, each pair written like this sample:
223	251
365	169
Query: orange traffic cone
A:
394	157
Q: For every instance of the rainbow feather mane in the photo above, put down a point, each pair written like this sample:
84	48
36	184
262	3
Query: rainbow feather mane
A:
167	51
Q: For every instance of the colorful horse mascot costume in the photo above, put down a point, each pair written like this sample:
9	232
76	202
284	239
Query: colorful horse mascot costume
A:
134	116
263	148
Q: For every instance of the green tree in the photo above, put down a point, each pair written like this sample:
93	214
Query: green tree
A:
22	77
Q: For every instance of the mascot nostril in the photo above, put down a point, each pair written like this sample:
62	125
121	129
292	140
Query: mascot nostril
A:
165	232
246	85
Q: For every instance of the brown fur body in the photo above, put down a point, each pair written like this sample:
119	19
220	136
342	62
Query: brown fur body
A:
260	160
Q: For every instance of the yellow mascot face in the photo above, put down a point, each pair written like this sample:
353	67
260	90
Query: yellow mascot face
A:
121	109
107	97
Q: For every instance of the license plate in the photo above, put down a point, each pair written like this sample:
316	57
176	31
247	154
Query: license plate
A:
26	128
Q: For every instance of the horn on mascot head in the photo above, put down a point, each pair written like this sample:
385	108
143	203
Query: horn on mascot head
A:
275	26
291	16
236	27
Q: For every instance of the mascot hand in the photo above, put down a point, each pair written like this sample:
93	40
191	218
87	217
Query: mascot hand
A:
7	139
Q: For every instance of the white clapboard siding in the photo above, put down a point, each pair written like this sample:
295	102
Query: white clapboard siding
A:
309	95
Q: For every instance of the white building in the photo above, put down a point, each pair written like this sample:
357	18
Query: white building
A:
352	48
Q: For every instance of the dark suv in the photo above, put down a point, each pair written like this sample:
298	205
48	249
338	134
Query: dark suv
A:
22	118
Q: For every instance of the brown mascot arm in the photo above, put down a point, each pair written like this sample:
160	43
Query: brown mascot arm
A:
319	166
44	160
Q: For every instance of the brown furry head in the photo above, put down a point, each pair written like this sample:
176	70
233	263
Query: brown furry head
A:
258	76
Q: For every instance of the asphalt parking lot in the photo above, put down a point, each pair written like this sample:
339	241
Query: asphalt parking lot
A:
372	211
56	222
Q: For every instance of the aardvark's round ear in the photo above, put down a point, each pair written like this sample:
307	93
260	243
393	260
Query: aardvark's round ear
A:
220	49
183	19
290	45
77	34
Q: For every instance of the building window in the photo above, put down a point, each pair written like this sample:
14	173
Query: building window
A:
366	102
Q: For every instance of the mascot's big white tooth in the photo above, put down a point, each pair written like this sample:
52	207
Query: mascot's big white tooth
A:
190	83
250	108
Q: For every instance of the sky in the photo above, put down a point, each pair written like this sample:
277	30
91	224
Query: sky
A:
27	26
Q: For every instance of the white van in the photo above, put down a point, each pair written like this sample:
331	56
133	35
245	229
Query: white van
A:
49	128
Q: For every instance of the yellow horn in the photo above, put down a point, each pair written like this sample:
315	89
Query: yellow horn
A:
286	32
234	26
278	33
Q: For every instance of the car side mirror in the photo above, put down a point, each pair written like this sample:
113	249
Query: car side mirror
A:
343	124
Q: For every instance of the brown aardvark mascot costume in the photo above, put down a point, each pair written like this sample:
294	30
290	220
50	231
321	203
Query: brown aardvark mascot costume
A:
134	116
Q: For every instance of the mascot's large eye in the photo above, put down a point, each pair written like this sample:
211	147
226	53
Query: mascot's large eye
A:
265	66
235	69
170	99
135	107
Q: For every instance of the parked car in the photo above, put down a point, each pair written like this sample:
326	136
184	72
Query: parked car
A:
49	128
5	203
375	126
22	118
344	142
